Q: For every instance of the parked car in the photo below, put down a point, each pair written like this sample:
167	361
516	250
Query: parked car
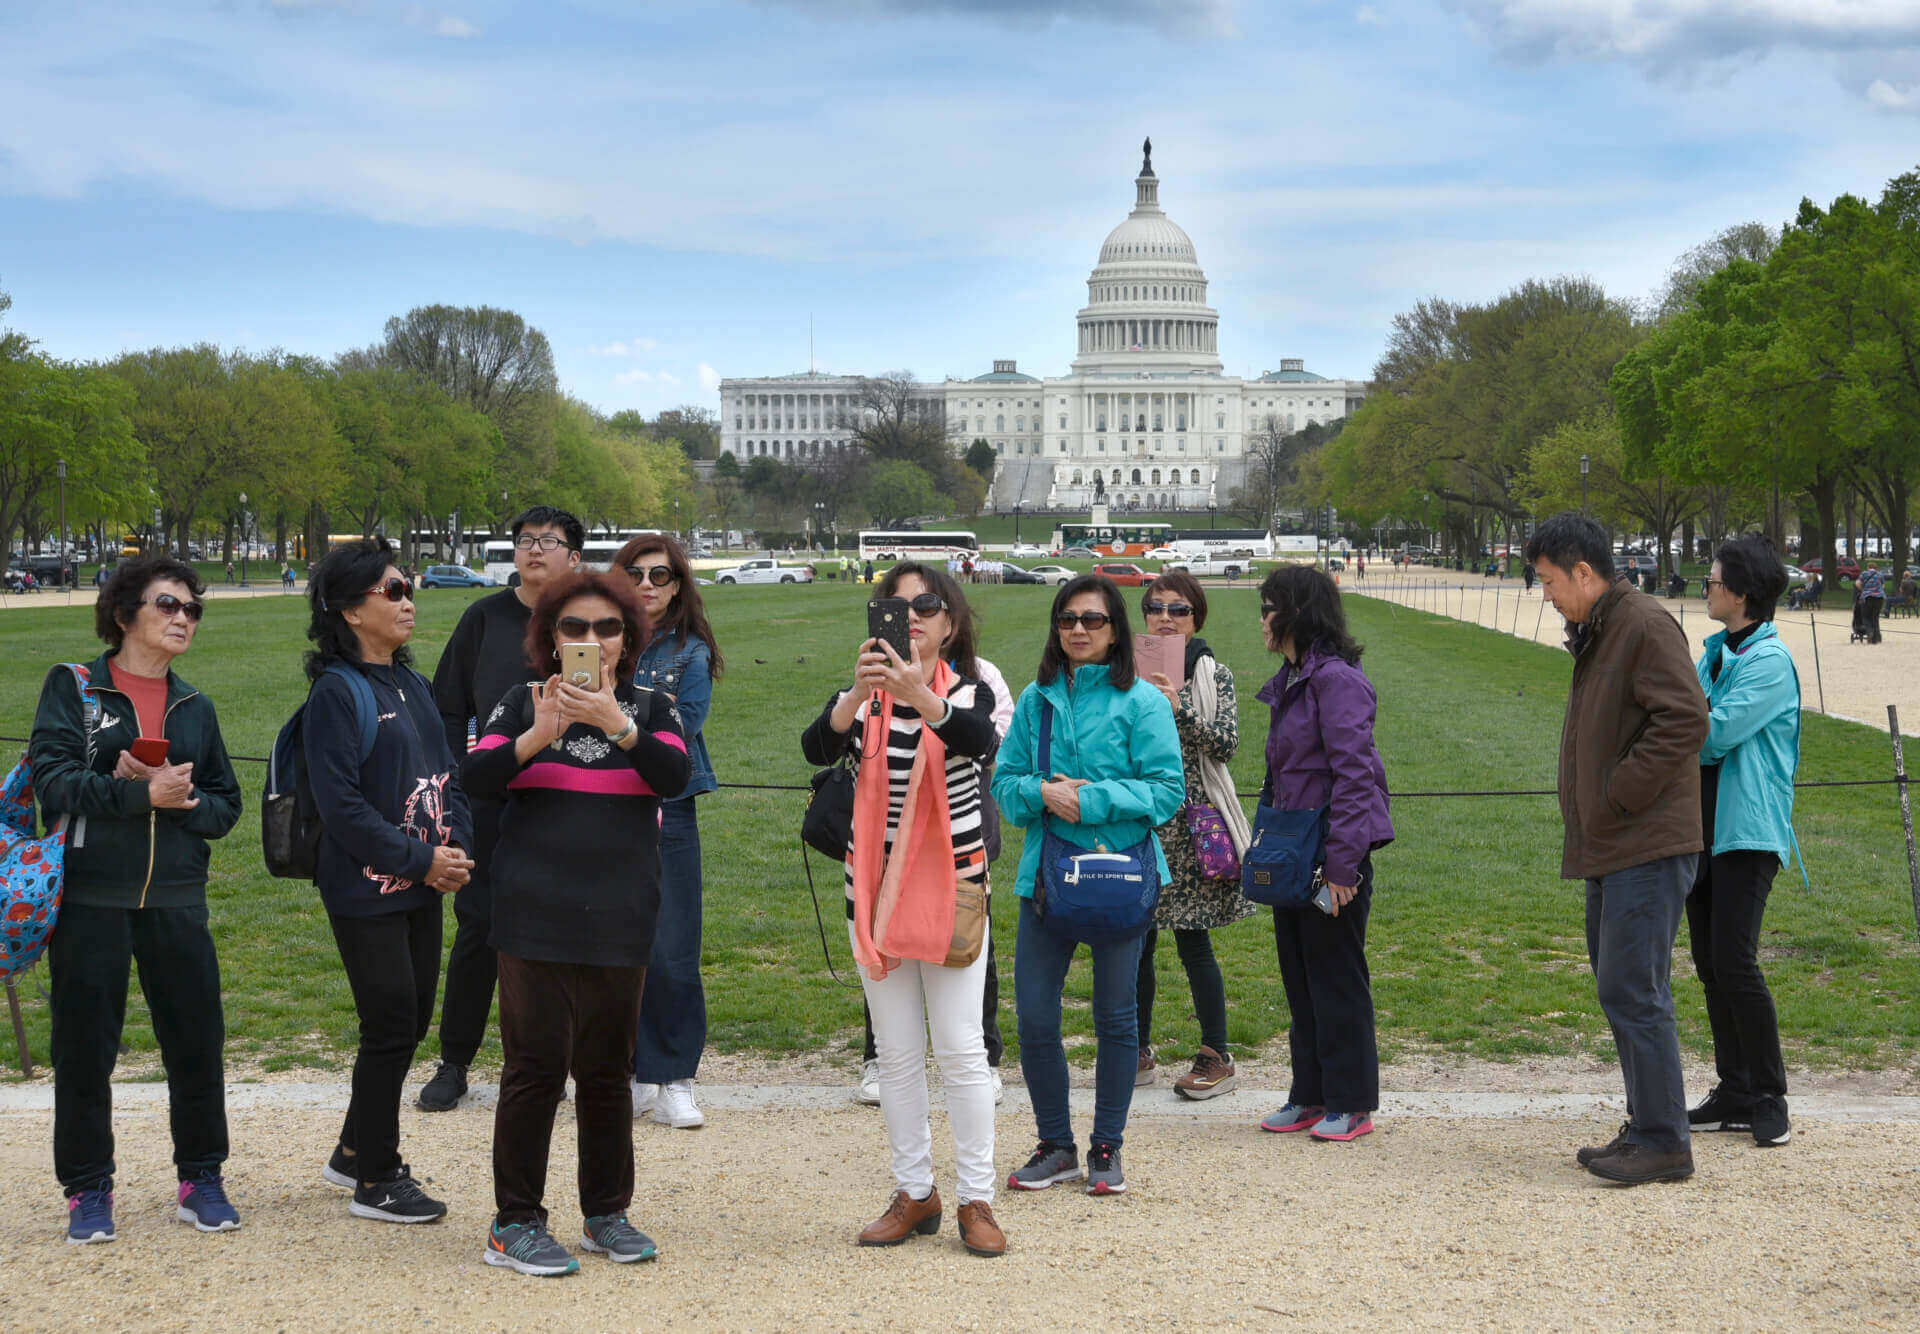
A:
1124	574
1026	550
1051	574
1638	563
1164	553
1078	553
49	569
764	571
1233	567
699	553
1849	567
454	576
1797	577
1013	574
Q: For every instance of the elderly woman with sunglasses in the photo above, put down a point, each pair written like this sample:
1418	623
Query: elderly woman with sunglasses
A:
680	659
916	728
1111	777
133	756
1194	902
395	828
582	769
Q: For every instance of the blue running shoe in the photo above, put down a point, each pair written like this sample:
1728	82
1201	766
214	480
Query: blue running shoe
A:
204	1203
613	1236
530	1249
90	1216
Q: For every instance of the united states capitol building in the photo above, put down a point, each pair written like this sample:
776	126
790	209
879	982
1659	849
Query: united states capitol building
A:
1145	417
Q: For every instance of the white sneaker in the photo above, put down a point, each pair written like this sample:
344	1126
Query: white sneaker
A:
999	1089
675	1106
867	1092
643	1098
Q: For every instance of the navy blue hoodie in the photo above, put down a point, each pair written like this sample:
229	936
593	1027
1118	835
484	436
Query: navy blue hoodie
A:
381	820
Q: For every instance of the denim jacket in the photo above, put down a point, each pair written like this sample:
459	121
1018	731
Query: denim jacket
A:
678	666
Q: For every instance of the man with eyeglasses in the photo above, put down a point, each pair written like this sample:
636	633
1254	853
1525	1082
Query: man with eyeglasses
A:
485	658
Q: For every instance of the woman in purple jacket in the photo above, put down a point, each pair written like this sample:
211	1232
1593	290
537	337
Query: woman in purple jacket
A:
1320	755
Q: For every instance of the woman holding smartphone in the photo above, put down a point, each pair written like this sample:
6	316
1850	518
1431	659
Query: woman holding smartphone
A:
916	724
1113	774
395	829
1320	755
680	659
582	760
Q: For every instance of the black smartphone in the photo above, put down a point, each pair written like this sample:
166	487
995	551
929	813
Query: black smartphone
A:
887	620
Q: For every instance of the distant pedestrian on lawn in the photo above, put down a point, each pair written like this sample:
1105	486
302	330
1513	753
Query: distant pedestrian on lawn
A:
1747	769
580	773
916	874
395	827
1196	900
1873	599
680	659
1630	802
1321	756
485	657
136	889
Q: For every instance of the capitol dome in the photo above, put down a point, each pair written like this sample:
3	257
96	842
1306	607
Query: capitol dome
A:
1147	311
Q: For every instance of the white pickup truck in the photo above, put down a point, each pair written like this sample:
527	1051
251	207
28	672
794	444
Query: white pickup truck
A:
766	571
1233	567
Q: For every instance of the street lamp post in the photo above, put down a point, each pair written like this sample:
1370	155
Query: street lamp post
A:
1583	483
243	539
1209	516
819	520
1016	523
61	470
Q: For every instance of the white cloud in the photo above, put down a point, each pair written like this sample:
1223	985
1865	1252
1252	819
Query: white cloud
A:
635	376
630	347
1680	32
449	26
1368	16
709	378
1883	94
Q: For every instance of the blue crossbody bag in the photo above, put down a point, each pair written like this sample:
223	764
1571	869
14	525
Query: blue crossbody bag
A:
1093	895
1287	848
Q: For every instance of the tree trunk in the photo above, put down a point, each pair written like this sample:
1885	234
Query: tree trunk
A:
1825	492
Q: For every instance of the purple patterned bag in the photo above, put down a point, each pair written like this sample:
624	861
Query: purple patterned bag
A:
1212	845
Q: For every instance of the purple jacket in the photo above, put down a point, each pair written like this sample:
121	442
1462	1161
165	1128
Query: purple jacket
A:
1320	752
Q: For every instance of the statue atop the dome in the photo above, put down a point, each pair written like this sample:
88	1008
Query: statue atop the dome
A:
1146	158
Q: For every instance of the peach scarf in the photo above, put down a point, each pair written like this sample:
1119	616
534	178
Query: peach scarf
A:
903	904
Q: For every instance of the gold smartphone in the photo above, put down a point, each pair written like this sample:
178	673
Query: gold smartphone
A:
580	665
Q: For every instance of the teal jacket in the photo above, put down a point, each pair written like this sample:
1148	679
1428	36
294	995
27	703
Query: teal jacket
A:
1753	734
1124	744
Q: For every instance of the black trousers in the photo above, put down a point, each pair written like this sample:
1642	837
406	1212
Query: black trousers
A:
471	968
558	1019
1323	962
393	968
1724	909
1203	980
89	957
1870	609
989	1014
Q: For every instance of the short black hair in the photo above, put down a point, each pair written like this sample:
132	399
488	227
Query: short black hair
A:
1053	658
1567	538
126	588
1307	606
1180	584
1751	569
552	516
339	581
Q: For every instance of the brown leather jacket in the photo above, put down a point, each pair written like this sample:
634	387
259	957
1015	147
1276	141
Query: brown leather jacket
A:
1630	747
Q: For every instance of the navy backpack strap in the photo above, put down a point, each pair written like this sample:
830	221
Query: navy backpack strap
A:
364	709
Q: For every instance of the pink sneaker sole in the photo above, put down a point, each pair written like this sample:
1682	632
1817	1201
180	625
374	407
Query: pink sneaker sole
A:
1362	1128
1311	1119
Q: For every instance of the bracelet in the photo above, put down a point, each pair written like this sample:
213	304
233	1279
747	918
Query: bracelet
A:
620	738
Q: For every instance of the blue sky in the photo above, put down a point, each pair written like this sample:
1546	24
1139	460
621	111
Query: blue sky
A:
672	192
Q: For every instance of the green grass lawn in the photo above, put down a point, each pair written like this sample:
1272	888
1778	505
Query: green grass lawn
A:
1476	946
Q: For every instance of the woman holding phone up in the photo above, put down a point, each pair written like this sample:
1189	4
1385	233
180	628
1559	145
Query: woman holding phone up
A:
582	760
915	725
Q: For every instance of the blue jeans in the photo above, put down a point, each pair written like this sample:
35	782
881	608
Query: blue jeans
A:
1632	918
1040	963
673	1006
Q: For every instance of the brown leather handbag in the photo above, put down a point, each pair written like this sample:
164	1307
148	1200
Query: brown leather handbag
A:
970	920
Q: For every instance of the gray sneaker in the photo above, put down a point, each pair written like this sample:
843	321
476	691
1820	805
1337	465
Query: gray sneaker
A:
1104	1176
1050	1163
528	1248
613	1236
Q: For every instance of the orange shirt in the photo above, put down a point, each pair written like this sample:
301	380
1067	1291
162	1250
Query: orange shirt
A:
148	693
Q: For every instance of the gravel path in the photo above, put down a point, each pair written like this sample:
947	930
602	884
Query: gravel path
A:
1438	1220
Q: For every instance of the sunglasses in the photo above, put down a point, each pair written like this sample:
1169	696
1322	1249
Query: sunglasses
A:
657	575
927	604
545	542
1092	620
168	605
607	627
396	589
1154	608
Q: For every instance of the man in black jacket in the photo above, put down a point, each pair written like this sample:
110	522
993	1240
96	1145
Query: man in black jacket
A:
485	658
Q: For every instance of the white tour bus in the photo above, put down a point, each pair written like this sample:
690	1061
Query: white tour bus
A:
598	553
886	545
1224	542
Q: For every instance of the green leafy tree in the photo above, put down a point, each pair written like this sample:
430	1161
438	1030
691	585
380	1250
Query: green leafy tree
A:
982	459
896	489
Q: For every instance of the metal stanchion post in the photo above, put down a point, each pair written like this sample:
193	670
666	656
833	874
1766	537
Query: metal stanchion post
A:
1539	618
1813	628
1906	810
20	1027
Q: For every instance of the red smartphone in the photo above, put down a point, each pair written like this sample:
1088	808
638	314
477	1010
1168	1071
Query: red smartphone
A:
149	750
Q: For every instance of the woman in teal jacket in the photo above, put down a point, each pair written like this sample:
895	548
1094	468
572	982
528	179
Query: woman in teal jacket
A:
1746	810
1113	773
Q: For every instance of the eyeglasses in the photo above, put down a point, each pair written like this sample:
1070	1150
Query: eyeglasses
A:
607	627
927	604
1714	583
1268	609
1153	607
657	575
1092	620
396	589
545	542
169	606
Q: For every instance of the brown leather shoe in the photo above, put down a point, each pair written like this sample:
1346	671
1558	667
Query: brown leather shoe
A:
1212	1075
1143	1070
904	1217
978	1232
1592	1151
1636	1164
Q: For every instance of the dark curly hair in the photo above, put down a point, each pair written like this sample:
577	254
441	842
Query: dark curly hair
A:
1053	658
1182	585
126	589
1306	605
542	646
962	649
1751	569
342	580
685	614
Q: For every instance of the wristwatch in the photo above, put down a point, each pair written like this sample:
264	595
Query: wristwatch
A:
619	738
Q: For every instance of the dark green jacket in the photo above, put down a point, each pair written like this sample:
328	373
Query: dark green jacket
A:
121	852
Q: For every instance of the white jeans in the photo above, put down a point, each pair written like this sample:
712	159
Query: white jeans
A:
913	997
